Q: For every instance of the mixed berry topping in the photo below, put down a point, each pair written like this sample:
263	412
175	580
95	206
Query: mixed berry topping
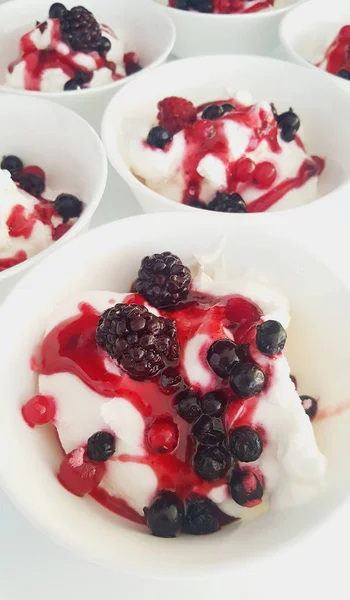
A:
213	404
188	406
221	6
79	29
142	343
245	444
221	356
310	405
163	280
164	516
201	516
271	337
100	446
337	57
229	203
211	463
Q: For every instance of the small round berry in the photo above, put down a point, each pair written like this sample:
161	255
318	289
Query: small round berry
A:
170	380
205	432
244	169
196	203
11	163
310	406
132	68
104	46
221	357
71	85
271	337
78	474
213	112
187	406
228	203
165	515
82	77
201	516
294	379
205	6
211	463
247	380
265	174
68	206
163	436
213	404
181	4
100	446
39	410
163	280
246	487
289	119
159	137
227	107
245	444
57	10
33	184
288	134
344	74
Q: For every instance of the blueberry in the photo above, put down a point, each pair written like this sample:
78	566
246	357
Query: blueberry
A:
221	356
82	77
201	516
213	404
243	353
208	432
68	206
104	46
100	446
132	68
33	184
288	133
289	119
246	380
309	405
181	4
211	463
227	107
205	6
159	137
196	203
187	406
71	85
271	337
57	10
344	74
165	515
245	488
11	163
245	444
212	112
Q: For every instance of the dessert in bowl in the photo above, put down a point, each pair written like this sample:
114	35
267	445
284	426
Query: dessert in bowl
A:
130	411
78	55
228	141
206	27
317	35
49	191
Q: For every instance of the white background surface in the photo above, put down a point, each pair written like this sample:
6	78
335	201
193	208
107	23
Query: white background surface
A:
32	567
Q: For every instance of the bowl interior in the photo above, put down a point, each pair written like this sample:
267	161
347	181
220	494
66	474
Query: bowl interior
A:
112	255
131	112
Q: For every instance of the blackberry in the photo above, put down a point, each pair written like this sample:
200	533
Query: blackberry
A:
31	183
245	444
246	488
141	343
57	10
246	380
100	446
159	137
80	30
201	516
163	280
310	406
165	515
208	432
228	203
68	206
271	337
187	406
11	163
211	463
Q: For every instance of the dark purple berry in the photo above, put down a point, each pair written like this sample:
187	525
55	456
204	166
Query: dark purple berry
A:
310	406
242	352
159	137
221	357
182	4
68	206
165	515
211	462
187	406
31	183
132	68
246	488
100	446
71	85
213	404
294	379
344	74
271	337
11	163
141	343
213	112
57	10
228	203
227	107
163	280
246	380
82	77
208	432
204	6
245	444
170	380
201	516
80	30
195	203
104	46
289	124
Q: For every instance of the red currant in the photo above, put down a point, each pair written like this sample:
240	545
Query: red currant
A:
265	174
163	436
244	169
39	410
78	474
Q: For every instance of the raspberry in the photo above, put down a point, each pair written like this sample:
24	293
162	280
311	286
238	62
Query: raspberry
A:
163	280
141	343
78	474
80	29
176	113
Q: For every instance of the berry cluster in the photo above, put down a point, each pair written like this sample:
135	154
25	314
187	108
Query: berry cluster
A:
79	28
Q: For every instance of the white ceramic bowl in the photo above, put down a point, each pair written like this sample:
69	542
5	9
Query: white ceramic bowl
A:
307	31
143	26
203	34
326	131
319	354
66	147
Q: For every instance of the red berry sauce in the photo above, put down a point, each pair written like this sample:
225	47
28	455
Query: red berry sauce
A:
235	6
337	56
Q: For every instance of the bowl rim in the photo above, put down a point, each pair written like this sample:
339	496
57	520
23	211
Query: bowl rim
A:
90	208
114	85
264	14
118	162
